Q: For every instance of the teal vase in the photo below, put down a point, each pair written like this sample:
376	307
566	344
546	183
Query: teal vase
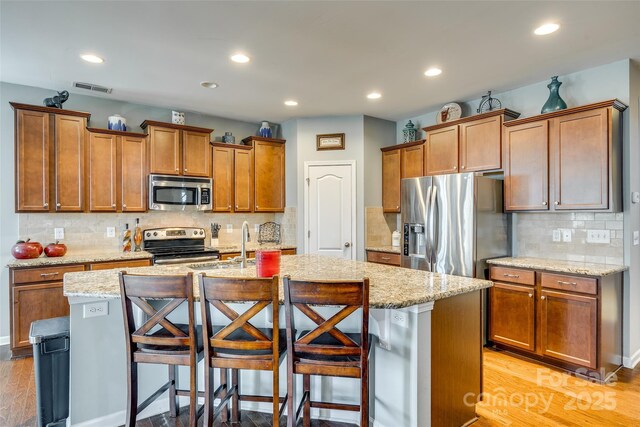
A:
554	103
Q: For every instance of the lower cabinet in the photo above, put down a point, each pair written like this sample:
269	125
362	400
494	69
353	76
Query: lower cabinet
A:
383	258
574	322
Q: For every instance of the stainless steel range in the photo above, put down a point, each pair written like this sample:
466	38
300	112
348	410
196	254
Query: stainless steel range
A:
178	245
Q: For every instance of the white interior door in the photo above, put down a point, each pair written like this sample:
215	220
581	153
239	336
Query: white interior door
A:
330	214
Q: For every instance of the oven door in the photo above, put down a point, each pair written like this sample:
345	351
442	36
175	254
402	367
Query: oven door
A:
179	193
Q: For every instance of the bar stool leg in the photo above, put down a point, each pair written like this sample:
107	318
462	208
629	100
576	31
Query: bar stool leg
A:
276	395
291	394
193	392
364	398
224	380
209	388
132	394
235	401
306	411
174	408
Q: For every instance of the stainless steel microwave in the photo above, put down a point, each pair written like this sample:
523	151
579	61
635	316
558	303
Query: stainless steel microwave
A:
179	193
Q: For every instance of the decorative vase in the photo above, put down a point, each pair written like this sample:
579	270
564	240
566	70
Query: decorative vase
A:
265	130
117	122
409	132
554	103
228	138
177	118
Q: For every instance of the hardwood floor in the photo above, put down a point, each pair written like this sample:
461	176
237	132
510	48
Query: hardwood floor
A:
517	392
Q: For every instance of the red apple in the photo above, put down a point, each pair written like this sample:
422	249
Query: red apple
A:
55	249
26	250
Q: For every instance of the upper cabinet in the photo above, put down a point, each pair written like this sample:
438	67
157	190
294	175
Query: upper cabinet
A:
565	160
470	144
223	159
49	159
398	162
269	183
178	149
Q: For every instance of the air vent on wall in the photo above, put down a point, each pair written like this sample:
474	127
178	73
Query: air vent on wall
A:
89	86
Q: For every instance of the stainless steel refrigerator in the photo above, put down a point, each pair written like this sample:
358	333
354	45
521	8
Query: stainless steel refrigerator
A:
453	223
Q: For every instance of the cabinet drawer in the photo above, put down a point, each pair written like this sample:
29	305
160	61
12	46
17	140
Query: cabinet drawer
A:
563	282
44	274
120	264
383	258
513	275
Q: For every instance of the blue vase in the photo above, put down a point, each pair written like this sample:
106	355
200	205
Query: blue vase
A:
265	130
554	103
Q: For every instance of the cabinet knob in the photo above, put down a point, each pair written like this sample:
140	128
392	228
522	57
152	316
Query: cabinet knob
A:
556	203
229	207
462	167
544	203
185	169
257	207
397	207
543	297
58	205
177	170
455	167
530	295
124	206
46	205
113	205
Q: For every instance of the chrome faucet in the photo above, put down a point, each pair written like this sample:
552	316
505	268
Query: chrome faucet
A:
245	238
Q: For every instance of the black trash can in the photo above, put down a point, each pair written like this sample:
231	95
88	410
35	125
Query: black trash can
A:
50	339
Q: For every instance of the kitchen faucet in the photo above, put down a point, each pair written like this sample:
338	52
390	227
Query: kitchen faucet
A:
245	238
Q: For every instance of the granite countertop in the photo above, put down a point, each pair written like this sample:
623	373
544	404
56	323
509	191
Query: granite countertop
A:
571	267
391	287
79	258
387	248
252	247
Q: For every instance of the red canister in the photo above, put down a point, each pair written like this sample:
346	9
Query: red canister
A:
268	262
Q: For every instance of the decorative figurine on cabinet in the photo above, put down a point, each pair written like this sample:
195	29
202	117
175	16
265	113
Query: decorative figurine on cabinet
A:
555	102
265	130
58	100
487	103
409	132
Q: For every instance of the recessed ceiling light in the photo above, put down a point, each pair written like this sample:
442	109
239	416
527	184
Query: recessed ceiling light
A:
241	58
433	71
209	85
290	103
374	95
94	59
545	29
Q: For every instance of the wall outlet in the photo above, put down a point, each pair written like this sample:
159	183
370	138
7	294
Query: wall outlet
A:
557	236
229	228
399	318
58	233
599	236
566	235
111	232
95	309
256	228
636	238
635	197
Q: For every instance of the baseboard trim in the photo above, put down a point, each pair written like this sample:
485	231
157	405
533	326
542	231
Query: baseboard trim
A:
4	340
631	362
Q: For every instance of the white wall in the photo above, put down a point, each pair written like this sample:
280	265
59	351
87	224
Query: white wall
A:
378	133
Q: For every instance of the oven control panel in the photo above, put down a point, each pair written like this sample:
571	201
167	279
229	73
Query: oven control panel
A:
173	233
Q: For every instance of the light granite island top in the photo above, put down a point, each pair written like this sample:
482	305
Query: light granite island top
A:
559	266
390	287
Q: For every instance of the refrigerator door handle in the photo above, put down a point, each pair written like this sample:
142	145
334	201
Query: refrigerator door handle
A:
427	233
432	231
435	238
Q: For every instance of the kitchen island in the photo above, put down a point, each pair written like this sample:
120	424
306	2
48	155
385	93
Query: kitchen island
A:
425	360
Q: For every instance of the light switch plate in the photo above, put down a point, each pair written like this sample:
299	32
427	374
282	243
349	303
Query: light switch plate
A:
256	228
636	238
95	309
229	228
399	318
58	233
566	235
635	197
557	236
111	232
599	236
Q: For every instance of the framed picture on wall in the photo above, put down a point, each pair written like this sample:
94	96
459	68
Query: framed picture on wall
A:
331	141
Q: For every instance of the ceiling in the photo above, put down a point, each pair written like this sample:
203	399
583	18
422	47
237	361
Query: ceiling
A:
325	55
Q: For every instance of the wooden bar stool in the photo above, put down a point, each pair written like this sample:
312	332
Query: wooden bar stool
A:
240	345
160	341
326	350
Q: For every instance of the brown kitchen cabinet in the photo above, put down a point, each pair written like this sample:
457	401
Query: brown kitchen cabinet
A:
232	178
398	162
110	265
480	144
269	172
387	258
567	160
567	320
49	159
178	149
441	152
116	171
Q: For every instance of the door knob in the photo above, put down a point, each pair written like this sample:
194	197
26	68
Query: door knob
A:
346	245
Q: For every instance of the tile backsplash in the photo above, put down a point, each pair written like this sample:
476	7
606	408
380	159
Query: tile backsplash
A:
379	226
535	236
87	232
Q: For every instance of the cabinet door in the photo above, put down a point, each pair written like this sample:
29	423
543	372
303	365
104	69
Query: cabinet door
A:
35	302
480	145
32	161
222	179
581	147
70	134
412	161
526	174
134	184
269	191
164	150
569	327
101	165
196	154
243	180
391	180
441	153
512	315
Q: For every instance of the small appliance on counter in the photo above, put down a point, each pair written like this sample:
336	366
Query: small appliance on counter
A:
395	239
179	193
178	245
215	229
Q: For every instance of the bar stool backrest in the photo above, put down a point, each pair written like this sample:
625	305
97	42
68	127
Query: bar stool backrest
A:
139	290
218	291
351	294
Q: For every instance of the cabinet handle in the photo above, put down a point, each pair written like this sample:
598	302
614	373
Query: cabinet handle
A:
530	295
385	258
397	207
124	206
556	203
177	170
462	167
43	275
455	167
513	276
561	282
229	207
543	297
544	203
113	205
58	205
46	205
185	169
257	207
